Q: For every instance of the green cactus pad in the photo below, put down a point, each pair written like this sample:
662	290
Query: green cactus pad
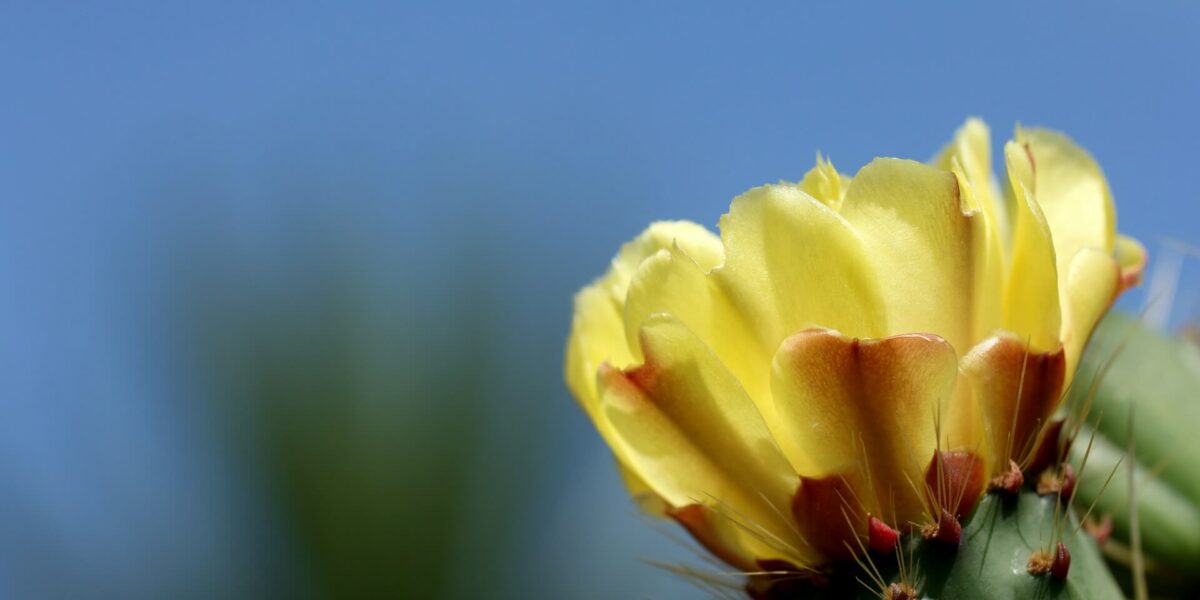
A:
997	541
1152	390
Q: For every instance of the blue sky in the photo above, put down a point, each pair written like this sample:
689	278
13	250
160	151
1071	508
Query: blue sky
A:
545	134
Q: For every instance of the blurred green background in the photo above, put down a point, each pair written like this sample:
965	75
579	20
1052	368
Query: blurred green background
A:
286	286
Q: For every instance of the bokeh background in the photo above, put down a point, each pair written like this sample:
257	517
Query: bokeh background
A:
285	286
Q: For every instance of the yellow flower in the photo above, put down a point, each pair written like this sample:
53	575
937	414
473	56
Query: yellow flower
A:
851	352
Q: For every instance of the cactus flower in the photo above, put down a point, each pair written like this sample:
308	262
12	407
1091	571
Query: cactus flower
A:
852	357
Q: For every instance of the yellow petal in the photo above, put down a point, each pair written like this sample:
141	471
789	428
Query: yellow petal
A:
971	151
693	239
1017	389
720	535
791	262
988	261
686	428
597	336
1072	193
1092	283
597	328
647	500
1132	258
930	256
845	402
1075	199
824	183
969	157
671	282
1031	296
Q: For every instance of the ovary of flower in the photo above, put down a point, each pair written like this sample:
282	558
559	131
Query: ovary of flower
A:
874	347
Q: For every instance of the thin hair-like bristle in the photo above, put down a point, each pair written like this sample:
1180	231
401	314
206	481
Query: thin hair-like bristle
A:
873	572
929	493
760	532
791	522
1030	444
907	568
1101	493
866	467
687	543
1135	533
1098	378
965	482
853	495
940	493
1012	427
1087	453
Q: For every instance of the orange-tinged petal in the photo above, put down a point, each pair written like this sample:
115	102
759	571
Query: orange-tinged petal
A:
1050	448
717	534
671	282
829	513
683	424
597	336
1017	389
1132	258
597	329
1031	293
865	406
954	480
